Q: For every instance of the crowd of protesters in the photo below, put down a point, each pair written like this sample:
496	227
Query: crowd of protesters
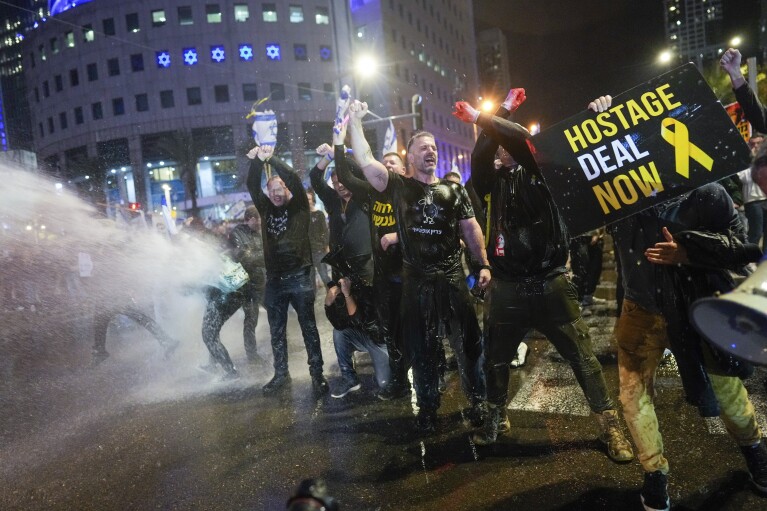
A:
400	242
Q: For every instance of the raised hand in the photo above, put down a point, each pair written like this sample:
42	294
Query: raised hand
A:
515	98
358	110
465	112
601	104
252	153
325	150
265	152
730	61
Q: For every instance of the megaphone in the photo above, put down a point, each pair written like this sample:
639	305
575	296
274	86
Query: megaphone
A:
736	322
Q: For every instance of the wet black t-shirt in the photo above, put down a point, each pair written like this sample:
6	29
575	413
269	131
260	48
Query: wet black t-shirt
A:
285	229
427	218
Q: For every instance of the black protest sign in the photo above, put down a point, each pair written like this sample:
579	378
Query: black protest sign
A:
658	140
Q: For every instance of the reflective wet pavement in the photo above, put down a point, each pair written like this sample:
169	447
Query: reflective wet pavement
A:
138	432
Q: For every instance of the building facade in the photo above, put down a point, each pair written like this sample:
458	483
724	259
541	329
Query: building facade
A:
109	83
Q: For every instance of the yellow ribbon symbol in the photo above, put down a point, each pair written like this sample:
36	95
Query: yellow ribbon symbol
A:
685	150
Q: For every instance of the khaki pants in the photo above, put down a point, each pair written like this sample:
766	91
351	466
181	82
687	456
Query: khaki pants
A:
641	337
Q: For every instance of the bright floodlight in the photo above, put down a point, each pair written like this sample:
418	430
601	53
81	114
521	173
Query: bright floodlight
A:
735	41
488	105
664	57
366	66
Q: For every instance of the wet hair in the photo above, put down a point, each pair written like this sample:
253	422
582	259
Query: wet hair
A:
455	174
417	135
250	212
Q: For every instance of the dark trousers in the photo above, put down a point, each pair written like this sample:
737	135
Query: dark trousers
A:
105	315
586	263
432	309
757	227
220	307
551	307
297	290
388	295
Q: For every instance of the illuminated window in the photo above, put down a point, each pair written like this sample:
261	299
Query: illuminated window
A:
269	13
79	117
185	15
241	13
217	54
88	34
321	17
246	52
190	56
69	39
131	22
158	18
162	58
137	62
41	51
296	14
273	51
54	46
213	13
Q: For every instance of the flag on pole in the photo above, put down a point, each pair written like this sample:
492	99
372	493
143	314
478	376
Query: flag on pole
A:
390	140
454	167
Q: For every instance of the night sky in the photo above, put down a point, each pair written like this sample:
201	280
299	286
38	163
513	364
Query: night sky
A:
565	53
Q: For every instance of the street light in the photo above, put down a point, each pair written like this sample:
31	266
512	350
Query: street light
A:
366	66
665	57
736	41
488	105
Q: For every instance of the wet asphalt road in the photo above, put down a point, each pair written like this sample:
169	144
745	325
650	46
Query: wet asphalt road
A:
140	433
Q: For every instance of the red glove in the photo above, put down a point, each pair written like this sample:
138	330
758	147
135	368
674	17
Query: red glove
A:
515	98
465	112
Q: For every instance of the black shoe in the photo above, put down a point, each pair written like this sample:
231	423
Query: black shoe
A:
393	391
280	381
654	492
426	422
756	460
319	384
348	383
474	416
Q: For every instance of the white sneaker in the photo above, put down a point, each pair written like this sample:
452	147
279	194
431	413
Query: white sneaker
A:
519	360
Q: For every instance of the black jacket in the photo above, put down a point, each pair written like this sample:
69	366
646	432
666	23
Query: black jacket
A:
248	250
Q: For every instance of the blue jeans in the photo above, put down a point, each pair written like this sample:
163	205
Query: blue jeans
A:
296	289
349	340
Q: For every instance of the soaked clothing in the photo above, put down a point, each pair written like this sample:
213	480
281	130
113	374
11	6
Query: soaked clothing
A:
706	224
284	229
527	249
359	332
105	314
642	338
288	260
435	300
387	264
318	231
348	222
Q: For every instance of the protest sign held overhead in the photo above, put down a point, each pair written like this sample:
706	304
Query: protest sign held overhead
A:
658	140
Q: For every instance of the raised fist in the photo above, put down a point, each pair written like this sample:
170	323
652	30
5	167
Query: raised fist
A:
601	104
515	98
358	109
465	112
325	150
252	153
730	62
265	152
